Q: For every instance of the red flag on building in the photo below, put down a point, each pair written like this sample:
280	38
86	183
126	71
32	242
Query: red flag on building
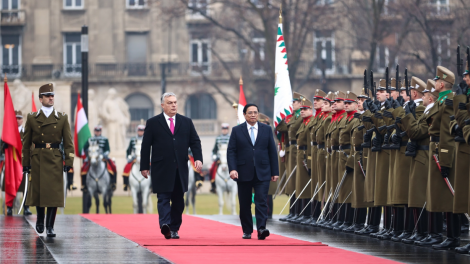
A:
34	104
11	137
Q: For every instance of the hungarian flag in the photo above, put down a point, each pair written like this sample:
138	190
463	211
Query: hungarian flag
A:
282	87
11	137
33	103
241	103
82	131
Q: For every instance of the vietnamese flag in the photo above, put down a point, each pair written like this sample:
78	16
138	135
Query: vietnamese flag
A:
241	103
11	137
34	104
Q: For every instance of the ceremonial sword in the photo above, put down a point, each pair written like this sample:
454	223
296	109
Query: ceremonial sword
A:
419	217
342	205
288	179
24	193
324	207
279	184
301	193
315	193
287	203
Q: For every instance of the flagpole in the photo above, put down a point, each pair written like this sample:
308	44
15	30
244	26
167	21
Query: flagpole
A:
4	200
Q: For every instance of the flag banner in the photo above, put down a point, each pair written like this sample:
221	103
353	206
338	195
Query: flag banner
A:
282	87
241	104
33	103
82	131
11	137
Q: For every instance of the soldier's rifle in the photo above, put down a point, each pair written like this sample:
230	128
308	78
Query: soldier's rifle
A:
26	192
460	62
298	196
373	85
446	179
279	184
387	84
366	86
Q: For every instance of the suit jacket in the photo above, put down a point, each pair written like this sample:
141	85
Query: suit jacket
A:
169	152
245	158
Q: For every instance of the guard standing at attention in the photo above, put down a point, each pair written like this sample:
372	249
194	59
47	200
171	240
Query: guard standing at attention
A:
45	130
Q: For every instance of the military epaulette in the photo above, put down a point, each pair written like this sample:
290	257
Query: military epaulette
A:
33	113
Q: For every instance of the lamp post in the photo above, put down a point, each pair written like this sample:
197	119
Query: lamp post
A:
84	49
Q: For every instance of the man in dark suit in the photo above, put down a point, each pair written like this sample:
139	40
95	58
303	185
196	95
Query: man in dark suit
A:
169	135
252	161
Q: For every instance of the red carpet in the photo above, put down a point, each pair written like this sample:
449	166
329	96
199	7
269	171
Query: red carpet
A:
206	241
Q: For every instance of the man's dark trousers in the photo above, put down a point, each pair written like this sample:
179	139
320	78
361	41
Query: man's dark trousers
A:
245	191
171	215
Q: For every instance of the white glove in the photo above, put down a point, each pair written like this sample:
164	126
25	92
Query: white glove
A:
282	153
214	157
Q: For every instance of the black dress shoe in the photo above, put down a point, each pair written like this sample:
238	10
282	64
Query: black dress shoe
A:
464	229
342	227
289	216
316	222
389	235
174	235
412	239
379	233
354	228
307	221
430	240
463	250
27	211
404	235
370	229
246	236
165	230
50	232
449	243
263	233
295	219
9	211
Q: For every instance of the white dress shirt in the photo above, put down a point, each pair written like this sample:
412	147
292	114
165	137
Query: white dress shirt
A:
20	129
47	110
428	107
167	118
418	101
255	130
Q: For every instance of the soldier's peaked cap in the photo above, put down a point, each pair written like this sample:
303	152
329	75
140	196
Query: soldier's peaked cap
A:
19	114
394	85
296	96
363	94
46	89
330	97
98	128
319	94
418	84
382	84
305	103
340	96
442	73
350	97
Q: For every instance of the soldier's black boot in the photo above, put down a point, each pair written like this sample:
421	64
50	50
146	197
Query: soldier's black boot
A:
340	216
348	217
387	219
331	220
421	224
84	187
291	211
360	215
407	224
463	250
9	211
373	222
40	219
297	210
270	207
50	219
307	212
315	212
434	231
334	219
26	210
393	224
453	233
464	224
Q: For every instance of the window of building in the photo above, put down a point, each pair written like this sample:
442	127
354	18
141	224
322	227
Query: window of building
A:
442	47
136	3
73	4
259	56
201	7
201	106
136	54
140	106
200	56
440	7
11	55
382	56
72	54
10	4
325	54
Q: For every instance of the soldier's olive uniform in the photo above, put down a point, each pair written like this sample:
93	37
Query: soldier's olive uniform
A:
312	145
335	175
369	159
322	154
345	156
303	153
293	126
46	182
281	128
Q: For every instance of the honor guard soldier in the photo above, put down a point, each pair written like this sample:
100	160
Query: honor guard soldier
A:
44	131
322	154
221	139
315	206
19	120
303	173
103	144
131	155
442	163
293	122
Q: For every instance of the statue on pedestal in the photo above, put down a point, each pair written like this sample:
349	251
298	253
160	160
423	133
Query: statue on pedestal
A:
115	117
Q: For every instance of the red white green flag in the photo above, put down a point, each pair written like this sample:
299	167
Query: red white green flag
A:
82	131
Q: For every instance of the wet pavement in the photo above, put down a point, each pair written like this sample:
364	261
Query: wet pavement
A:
78	241
361	244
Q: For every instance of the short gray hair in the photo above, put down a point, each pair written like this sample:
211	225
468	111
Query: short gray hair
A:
165	95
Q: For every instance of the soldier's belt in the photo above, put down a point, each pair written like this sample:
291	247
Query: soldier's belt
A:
434	139
422	147
313	143
359	148
321	146
47	145
343	147
304	147
293	142
335	147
